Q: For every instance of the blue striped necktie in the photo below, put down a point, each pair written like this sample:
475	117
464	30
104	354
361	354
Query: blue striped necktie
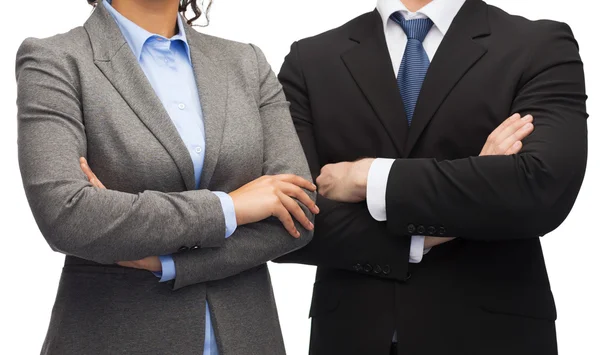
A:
415	61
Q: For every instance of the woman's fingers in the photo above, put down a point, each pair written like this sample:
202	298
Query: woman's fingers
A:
128	264
297	180
286	219
299	194
292	185
86	168
294	209
96	182
90	174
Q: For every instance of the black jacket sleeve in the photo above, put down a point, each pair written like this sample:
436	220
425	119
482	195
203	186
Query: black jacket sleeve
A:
507	197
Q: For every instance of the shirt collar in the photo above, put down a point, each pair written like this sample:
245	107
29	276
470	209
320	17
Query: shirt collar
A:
137	37
441	12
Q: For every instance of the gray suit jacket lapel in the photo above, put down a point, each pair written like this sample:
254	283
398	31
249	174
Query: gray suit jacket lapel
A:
115	59
212	81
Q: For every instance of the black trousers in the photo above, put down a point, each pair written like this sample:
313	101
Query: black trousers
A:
394	349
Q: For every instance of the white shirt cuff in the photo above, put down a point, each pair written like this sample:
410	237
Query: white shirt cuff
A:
377	187
417	248
376	190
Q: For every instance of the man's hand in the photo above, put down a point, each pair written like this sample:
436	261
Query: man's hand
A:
431	242
506	139
345	182
151	263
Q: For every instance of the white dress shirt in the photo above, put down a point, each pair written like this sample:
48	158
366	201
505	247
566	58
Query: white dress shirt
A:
442	13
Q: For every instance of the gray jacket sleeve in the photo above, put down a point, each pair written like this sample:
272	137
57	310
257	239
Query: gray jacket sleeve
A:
254	244
75	218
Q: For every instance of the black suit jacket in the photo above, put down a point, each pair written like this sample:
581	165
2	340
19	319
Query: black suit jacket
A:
487	292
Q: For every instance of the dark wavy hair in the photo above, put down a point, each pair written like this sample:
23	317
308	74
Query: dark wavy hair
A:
184	5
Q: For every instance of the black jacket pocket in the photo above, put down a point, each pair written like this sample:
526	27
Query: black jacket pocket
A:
326	298
527	301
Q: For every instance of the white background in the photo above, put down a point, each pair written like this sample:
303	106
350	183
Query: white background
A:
30	270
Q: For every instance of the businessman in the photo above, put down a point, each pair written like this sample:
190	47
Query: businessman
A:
392	110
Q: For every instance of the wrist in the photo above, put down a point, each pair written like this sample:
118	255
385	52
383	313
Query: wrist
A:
239	216
361	175
235	208
156	265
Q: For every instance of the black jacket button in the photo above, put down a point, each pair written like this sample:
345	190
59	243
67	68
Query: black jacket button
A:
442	231
421	230
411	228
184	249
408	276
386	270
431	231
358	267
195	247
368	268
377	269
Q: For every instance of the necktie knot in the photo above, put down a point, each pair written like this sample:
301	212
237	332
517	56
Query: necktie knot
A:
414	29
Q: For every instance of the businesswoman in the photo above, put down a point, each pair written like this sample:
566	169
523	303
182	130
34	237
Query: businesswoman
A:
192	136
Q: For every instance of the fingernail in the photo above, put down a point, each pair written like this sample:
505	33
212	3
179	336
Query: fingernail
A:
317	209
529	126
314	186
297	233
93	181
312	226
527	117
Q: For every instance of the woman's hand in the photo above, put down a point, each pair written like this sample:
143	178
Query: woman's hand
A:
506	139
90	174
270	196
151	263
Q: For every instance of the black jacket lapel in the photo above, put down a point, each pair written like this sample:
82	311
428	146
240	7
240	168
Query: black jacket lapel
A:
458	52
370	65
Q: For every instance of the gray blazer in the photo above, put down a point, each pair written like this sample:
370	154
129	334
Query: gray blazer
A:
83	93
